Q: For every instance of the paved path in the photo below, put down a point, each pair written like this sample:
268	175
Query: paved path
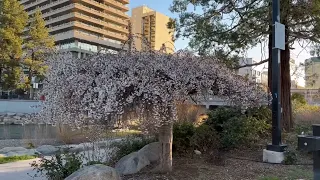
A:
18	171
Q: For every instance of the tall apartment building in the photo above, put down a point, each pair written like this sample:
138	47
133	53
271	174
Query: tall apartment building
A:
84	26
151	26
312	73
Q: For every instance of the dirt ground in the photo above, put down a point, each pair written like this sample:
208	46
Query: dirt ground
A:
236	165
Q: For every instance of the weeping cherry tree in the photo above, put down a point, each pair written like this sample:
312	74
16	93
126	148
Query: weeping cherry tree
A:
89	91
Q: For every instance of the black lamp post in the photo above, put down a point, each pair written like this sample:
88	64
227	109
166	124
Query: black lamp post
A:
278	41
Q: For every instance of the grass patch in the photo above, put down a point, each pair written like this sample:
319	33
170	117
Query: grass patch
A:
269	178
292	174
15	158
300	173
121	134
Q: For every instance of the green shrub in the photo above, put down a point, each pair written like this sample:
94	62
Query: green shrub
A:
298	98
30	146
261	113
182	135
59	166
129	145
305	116
219	116
234	132
15	158
290	157
235	128
205	138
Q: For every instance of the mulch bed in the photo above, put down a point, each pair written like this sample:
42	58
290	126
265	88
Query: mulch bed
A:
236	165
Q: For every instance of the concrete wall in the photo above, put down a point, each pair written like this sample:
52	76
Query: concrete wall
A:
19	106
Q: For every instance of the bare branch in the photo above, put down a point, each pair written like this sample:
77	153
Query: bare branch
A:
254	64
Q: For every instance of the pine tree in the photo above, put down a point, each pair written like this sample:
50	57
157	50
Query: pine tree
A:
37	44
13	20
235	26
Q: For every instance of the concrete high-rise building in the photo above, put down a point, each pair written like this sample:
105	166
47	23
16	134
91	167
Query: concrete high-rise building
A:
253	73
151	26
312	70
84	26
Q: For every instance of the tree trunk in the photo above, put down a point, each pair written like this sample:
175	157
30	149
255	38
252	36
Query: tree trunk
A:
1	77
287	122
166	138
270	61
30	92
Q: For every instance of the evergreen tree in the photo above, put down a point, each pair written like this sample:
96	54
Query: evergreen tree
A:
37	44
235	26
13	20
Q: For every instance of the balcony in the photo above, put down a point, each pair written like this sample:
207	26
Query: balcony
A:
23	1
102	23
89	19
47	6
59	18
101	14
74	34
122	6
124	1
94	3
107	8
86	9
87	27
34	3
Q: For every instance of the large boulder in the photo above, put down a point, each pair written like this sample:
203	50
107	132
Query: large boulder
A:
152	151
11	114
132	163
17	151
95	172
47	149
11	149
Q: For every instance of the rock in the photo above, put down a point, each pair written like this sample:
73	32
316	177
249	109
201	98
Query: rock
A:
16	117
17	122
11	149
18	151
47	149
152	151
7	120
197	152
25	120
21	114
132	163
73	147
11	114
95	172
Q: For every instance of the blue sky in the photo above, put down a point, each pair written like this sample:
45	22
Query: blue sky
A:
258	53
